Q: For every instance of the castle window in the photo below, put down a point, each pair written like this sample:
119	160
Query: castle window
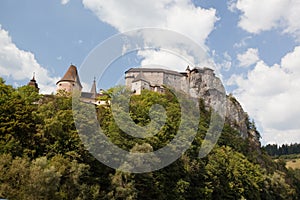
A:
59	84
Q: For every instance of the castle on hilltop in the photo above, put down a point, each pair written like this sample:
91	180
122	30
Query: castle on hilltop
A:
138	79
197	83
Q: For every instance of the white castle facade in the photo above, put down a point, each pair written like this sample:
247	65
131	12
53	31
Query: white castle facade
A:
138	79
193	82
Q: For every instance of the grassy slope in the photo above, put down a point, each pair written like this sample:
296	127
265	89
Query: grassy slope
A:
292	161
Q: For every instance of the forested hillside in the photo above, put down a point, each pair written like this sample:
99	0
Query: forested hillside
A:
285	149
42	156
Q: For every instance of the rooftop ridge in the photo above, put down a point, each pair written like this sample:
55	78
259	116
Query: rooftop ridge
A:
139	77
71	76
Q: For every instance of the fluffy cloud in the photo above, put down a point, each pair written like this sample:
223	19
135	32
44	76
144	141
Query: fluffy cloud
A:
162	59
64	2
291	61
181	16
258	16
271	96
248	58
20	64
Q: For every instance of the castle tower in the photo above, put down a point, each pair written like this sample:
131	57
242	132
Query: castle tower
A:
140	83
33	83
94	89
188	70
70	81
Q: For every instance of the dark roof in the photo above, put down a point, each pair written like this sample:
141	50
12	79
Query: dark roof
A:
140	77
166	71
33	83
207	68
90	95
87	95
71	76
201	70
93	89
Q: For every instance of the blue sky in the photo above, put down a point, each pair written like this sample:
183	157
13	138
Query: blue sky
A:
254	46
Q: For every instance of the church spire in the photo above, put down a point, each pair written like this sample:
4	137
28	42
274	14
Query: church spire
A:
33	82
94	89
188	69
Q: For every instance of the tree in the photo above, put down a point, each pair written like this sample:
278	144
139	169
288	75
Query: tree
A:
57	178
231	175
17	121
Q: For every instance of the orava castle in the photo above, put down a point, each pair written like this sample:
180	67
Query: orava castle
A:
136	79
196	82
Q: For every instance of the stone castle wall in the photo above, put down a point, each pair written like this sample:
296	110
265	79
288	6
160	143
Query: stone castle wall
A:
198	83
68	86
156	78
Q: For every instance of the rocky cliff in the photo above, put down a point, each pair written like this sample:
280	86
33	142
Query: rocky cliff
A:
204	84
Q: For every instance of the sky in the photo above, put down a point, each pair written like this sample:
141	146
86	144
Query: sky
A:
254	47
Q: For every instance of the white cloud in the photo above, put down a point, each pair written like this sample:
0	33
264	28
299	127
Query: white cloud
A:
231	5
273	136
291	61
258	16
181	16
227	56
248	58
271	96
242	43
20	64
162	59
64	2
219	63
227	62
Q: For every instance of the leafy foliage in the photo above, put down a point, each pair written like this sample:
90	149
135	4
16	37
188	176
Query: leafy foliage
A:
43	157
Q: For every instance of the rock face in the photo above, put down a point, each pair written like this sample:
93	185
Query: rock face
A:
236	116
197	83
204	84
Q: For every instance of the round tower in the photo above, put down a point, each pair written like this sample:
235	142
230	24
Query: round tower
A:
70	81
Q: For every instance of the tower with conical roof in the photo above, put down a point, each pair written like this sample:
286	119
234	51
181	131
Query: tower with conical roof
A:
70	81
94	89
33	83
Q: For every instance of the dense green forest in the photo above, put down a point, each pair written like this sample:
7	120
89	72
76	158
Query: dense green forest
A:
285	149
42	156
